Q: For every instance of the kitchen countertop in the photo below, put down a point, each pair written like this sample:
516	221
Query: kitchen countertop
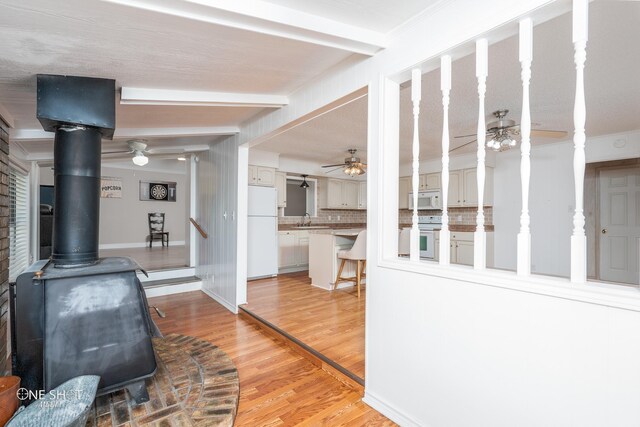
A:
347	232
460	228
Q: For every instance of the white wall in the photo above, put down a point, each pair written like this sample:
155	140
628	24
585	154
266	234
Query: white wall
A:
451	353
123	222
551	199
217	172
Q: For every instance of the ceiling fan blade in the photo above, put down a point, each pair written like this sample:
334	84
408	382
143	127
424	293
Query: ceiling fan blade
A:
117	152
332	166
465	136
548	133
332	170
463	145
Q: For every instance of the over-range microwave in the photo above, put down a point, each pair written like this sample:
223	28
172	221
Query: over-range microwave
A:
427	200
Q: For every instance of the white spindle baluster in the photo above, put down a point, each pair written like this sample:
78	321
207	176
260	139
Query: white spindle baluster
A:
524	237
416	94
445	87
578	239
479	245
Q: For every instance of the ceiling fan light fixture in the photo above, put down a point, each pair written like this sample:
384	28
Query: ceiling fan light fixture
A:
304	184
140	159
353	170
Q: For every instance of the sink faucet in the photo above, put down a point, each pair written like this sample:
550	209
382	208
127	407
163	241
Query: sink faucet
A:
304	223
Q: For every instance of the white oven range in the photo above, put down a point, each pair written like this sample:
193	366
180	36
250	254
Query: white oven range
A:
427	225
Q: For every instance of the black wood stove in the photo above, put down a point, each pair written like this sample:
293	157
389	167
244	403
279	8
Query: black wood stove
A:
75	313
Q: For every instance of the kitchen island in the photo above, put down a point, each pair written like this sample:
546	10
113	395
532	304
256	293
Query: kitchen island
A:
324	246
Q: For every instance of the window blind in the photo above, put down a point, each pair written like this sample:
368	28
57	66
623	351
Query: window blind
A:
18	223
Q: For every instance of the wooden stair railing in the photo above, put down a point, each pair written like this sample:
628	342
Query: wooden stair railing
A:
197	226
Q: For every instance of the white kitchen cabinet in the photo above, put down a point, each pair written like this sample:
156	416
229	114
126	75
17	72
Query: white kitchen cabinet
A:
362	195
261	175
463	187
350	194
342	194
293	247
430	181
455	189
287	249
461	247
302	249
403	192
281	187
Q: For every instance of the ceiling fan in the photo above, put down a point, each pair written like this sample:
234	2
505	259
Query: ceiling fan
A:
502	133
352	165
140	149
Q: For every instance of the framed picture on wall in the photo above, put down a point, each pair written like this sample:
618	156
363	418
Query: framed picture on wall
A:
110	187
158	191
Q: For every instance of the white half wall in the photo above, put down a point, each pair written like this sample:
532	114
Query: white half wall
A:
443	352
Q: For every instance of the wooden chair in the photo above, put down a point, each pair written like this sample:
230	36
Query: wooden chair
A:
156	228
358	253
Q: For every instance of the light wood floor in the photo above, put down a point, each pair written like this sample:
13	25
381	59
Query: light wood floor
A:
155	258
330	322
278	387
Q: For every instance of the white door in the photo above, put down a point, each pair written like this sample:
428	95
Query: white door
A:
362	195
619	224
266	176
432	181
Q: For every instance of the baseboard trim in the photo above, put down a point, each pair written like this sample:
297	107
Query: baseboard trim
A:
137	245
178	288
389	411
285	270
221	301
315	357
174	273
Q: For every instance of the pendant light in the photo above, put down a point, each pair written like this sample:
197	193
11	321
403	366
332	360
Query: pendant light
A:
304	184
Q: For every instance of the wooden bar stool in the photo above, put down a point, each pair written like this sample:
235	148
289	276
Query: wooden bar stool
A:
358	253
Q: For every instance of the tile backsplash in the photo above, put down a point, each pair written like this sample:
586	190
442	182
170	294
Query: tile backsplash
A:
330	216
457	216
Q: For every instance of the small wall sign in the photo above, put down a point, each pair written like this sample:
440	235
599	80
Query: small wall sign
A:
110	187
159	191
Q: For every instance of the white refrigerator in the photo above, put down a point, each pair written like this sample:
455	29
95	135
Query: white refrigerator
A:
262	232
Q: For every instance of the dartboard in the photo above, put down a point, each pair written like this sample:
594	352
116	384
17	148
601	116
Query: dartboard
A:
158	192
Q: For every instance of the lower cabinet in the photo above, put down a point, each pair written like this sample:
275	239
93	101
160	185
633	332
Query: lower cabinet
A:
293	249
461	248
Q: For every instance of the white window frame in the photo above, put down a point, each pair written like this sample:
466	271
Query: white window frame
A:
19	245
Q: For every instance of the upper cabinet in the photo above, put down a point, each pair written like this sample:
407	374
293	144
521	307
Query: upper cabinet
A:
342	194
281	187
463	187
430	181
403	192
260	175
362	195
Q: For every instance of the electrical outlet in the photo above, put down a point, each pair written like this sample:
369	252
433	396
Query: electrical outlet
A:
459	218
329	217
338	217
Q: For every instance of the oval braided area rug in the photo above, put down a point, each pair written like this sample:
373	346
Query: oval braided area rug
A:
196	384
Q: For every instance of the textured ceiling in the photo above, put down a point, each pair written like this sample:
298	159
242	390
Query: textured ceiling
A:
145	49
376	15
611	80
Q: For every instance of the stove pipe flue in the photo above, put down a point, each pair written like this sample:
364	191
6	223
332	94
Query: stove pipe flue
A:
81	111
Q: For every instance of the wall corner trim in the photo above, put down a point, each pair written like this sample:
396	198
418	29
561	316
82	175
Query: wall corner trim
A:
226	304
389	410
